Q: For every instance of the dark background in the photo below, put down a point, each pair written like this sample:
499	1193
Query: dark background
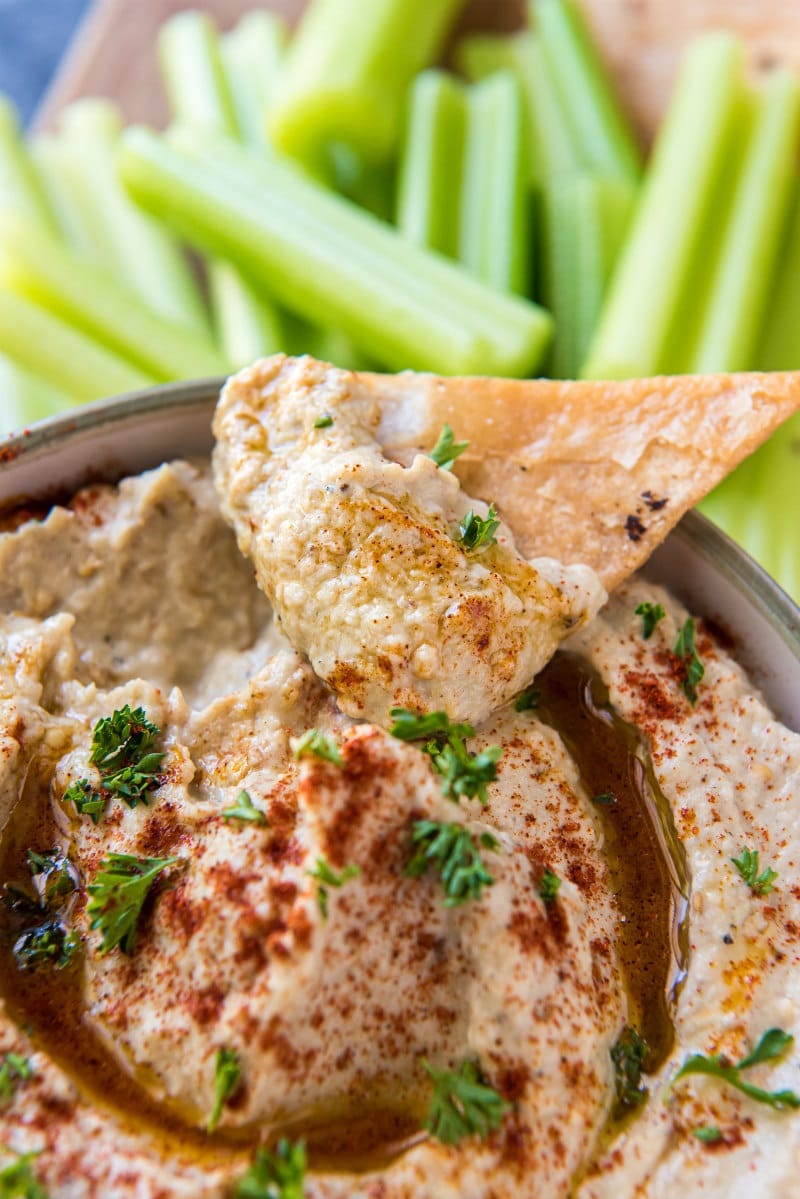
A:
33	36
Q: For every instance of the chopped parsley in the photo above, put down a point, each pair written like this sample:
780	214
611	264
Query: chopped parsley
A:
244	809
463	1105
773	1045
693	669
87	801
651	614
709	1134
18	1181
452	850
117	894
527	699
548	887
122	750
44	939
411	726
323	422
14	1070
227	1075
275	1175
463	773
628	1054
326	877
447	449
50	944
604	799
313	743
52	876
747	865
477	533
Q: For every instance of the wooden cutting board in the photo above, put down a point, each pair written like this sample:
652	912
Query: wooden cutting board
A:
113	52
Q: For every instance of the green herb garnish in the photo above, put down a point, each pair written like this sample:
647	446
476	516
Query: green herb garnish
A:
463	773
463	1105
117	894
747	865
121	749
709	1134
527	699
651	614
18	1181
477	533
244	809
319	745
605	799
548	887
411	726
447	449
52	876
692	666
452	850
275	1175
772	1046
87	801
323	422
227	1073
51	944
326	877
14	1070
628	1054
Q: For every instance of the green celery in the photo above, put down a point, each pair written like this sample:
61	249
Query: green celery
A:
552	147
20	187
330	262
61	355
664	250
429	188
495	234
348	70
25	398
247	325
584	221
741	284
37	267
252	53
606	142
100	221
193	73
780	344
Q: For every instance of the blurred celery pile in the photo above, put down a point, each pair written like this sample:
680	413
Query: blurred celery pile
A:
343	196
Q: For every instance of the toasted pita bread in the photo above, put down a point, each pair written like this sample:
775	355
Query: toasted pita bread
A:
588	472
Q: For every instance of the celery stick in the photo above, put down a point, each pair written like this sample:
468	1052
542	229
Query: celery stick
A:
100	220
780	344
248	327
25	398
605	139
741	284
494	237
34	265
664	247
252	53
20	188
348	70
585	218
61	355
429	189
552	147
193	74
330	262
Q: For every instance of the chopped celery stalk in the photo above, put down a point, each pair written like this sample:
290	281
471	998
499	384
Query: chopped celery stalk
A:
347	73
604	137
247	324
494	241
585	218
552	148
780	347
251	55
25	398
61	355
429	189
35	266
330	262
193	74
664	251
741	284
20	187
100	221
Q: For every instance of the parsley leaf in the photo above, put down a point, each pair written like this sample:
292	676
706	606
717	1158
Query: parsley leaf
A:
709	1134
227	1075
548	887
411	726
447	449
323	422
527	699
18	1181
476	534
86	800
693	668
462	1105
117	894
773	1045
451	848
50	944
747	865
277	1175
651	614
52	876
318	744
14	1070
464	773
244	809
122	751
605	799
628	1053
326	877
